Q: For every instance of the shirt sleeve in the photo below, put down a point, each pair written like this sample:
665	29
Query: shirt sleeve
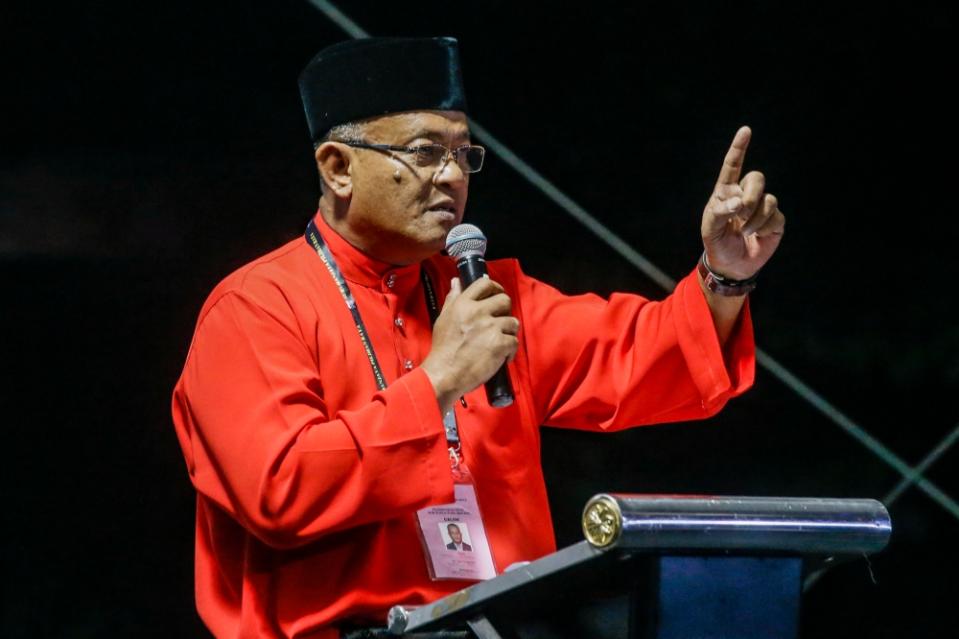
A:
600	364
261	443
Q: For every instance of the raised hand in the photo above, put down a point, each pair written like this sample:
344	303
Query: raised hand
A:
742	224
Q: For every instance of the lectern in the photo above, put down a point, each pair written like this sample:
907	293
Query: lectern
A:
664	567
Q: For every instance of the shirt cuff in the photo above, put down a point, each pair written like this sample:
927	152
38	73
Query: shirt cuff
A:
719	372
427	425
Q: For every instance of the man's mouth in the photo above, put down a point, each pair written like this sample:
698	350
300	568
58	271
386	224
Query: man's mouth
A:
443	208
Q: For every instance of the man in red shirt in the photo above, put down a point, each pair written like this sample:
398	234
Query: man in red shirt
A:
320	392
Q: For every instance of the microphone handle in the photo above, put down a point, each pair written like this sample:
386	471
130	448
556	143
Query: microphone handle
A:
499	389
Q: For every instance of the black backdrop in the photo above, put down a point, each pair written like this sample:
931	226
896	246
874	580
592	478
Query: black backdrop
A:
148	150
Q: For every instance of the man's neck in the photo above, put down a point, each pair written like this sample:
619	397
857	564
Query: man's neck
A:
378	248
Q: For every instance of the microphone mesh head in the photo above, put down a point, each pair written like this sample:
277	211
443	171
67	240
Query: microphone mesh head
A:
465	239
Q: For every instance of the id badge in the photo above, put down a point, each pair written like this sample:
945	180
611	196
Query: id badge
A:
453	536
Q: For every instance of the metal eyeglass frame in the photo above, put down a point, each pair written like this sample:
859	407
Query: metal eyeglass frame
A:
415	151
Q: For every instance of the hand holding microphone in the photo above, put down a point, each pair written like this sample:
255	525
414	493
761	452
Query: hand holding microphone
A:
475	335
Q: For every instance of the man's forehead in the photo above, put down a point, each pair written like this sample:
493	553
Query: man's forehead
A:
410	124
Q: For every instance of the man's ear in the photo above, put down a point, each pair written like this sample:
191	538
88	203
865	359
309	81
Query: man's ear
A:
334	164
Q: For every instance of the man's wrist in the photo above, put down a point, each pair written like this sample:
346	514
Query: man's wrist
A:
724	309
721	284
445	393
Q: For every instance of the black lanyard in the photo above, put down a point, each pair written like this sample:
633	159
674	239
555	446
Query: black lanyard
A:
322	250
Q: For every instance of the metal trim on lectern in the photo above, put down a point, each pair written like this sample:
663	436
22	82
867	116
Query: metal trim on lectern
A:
620	526
798	525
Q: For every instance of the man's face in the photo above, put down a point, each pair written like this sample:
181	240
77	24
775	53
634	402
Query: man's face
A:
455	534
403	210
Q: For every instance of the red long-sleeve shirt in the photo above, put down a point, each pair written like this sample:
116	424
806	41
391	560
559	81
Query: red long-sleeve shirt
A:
308	477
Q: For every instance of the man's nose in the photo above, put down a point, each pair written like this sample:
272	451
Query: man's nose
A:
449	172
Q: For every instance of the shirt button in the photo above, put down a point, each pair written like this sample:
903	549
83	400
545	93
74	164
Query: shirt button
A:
408	364
390	280
399	322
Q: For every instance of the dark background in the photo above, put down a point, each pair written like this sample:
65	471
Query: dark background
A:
150	149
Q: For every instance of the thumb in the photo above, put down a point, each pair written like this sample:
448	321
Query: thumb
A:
456	288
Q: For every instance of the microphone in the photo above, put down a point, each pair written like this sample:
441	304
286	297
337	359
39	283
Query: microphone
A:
467	245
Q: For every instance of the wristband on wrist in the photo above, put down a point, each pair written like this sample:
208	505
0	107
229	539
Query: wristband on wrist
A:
722	285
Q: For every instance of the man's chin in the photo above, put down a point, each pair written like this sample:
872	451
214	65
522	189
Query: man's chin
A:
432	235
442	223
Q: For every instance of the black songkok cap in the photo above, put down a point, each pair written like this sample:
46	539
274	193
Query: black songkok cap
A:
362	78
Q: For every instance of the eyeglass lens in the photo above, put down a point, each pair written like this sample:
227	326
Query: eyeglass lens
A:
469	158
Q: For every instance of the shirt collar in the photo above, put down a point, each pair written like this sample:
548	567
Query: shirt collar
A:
359	268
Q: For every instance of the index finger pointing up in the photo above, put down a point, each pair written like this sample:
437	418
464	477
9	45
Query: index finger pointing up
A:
733	163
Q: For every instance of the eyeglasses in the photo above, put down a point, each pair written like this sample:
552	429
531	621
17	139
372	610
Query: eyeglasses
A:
469	157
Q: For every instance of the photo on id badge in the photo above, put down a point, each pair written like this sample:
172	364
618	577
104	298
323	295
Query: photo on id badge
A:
456	536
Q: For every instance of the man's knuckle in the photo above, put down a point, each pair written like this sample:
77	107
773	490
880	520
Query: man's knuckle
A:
484	284
754	179
717	208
